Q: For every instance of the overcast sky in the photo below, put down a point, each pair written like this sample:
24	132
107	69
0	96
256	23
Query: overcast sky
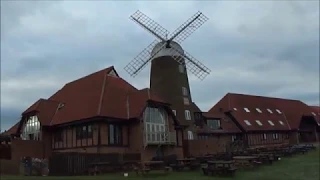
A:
263	48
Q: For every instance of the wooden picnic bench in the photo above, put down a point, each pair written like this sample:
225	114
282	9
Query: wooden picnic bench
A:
146	166
191	163
246	161
219	168
97	168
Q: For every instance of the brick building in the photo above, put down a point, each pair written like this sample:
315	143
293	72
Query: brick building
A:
99	113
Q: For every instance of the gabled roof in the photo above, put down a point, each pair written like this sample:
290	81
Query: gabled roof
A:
291	111
226	123
101	94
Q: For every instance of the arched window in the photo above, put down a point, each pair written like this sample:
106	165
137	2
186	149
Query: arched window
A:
31	129
155	123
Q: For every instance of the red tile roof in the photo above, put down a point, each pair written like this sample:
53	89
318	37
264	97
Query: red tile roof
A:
291	111
12	130
98	94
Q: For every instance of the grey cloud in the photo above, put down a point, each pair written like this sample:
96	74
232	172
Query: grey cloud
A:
264	48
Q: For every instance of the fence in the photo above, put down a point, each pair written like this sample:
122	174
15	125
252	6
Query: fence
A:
70	164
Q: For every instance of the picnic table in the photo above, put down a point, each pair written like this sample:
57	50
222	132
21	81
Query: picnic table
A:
264	158
146	166
188	162
99	167
219	168
246	161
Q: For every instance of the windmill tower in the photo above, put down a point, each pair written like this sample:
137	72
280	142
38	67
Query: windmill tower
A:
169	64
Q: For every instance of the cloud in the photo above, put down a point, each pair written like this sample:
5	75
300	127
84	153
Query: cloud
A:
266	48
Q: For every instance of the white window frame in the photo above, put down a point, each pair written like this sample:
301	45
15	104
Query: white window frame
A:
233	138
31	129
247	122
246	109
259	122
275	136
187	114
269	110
278	111
181	68
314	114
190	135
185	91
259	110
270	122
155	128
264	136
235	109
174	112
281	122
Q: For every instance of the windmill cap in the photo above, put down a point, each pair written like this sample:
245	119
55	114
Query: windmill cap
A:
175	51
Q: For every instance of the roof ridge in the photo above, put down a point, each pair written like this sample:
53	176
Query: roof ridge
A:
260	96
102	92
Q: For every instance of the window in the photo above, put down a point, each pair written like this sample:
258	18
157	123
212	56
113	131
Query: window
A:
202	137
58	136
269	110
275	136
31	130
258	122
246	109
270	122
286	136
181	68
156	120
185	91
187	115
186	101
233	138
115	134
314	114
235	109
258	110
264	136
213	124
278	111
190	135
174	112
83	132
281	123
247	122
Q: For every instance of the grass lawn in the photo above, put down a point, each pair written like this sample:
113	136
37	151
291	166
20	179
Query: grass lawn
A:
299	167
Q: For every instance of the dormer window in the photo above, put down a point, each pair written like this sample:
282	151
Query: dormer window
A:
247	122
235	109
314	114
269	110
213	124
281	123
259	122
270	122
246	109
259	111
278	111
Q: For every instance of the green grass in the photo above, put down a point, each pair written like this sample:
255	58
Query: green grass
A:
299	167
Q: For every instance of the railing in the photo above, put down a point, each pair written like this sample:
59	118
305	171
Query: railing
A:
160	138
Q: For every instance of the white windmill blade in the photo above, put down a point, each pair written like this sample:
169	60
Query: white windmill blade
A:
150	25
139	62
187	28
192	64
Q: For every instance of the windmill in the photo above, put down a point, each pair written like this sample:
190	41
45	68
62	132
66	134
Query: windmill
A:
168	76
